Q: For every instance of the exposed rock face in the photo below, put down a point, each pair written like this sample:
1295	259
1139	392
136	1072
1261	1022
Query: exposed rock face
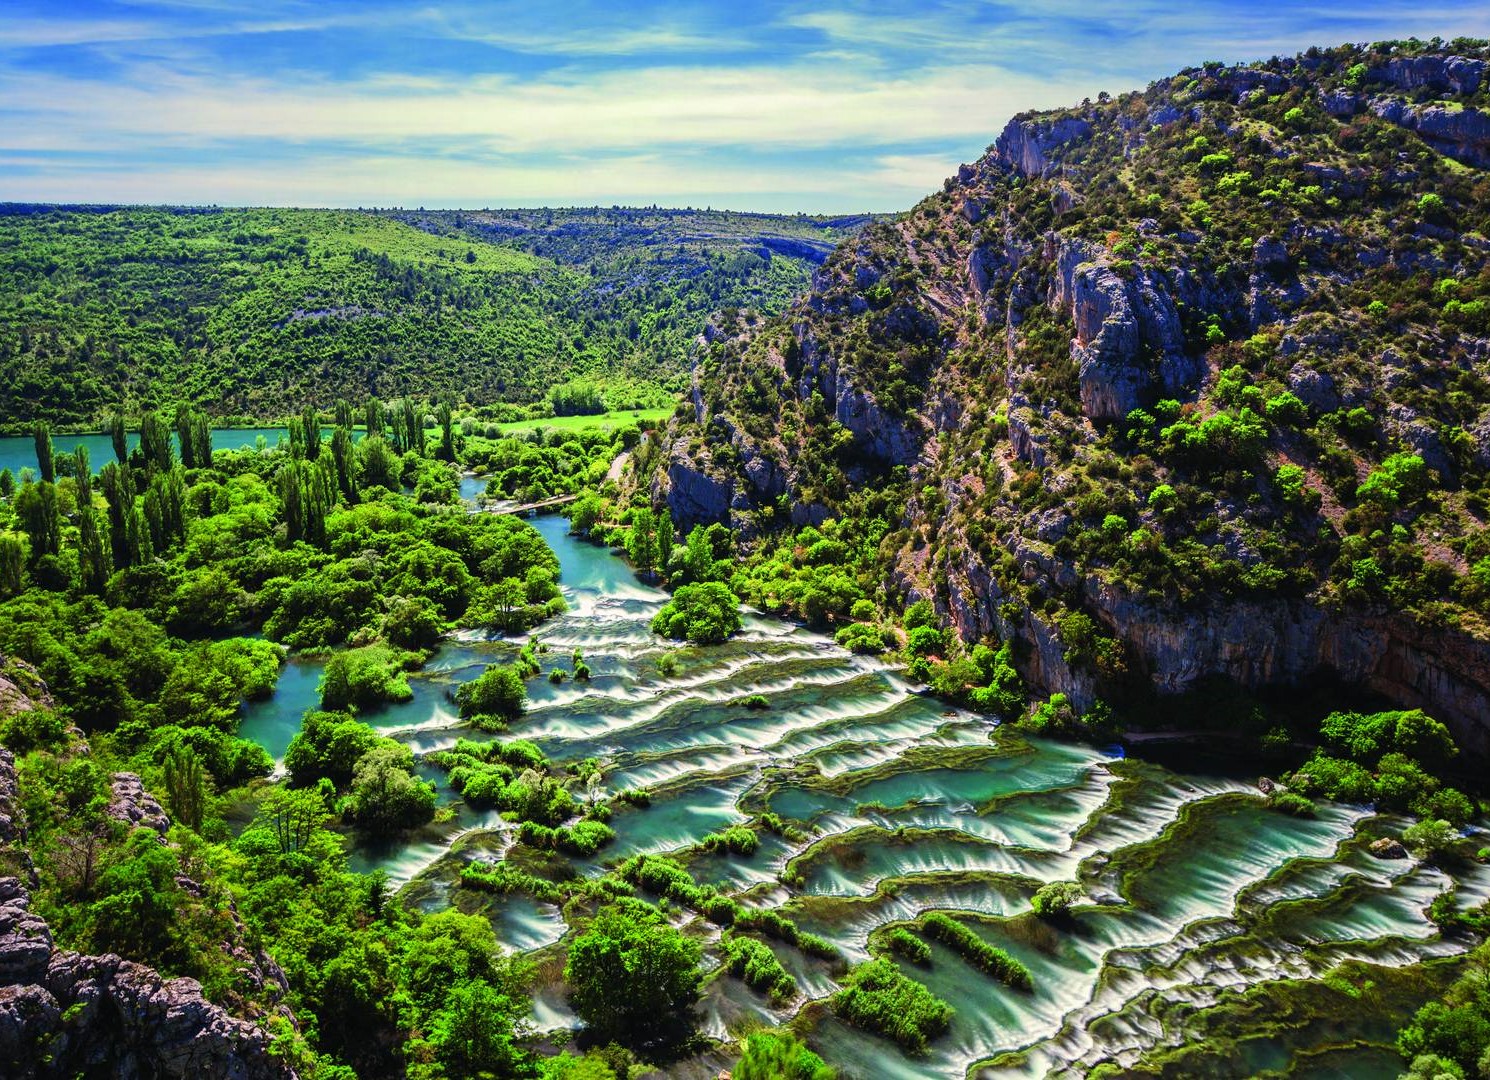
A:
1129	344
63	1014
1456	74
985	344
1024	144
130	803
693	494
1462	134
21	688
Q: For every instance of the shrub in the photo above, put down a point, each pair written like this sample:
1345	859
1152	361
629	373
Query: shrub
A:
737	840
497	691
357	678
1430	839
755	963
903	943
878	997
778	1055
972	948
1055	898
1292	804
705	614
923	641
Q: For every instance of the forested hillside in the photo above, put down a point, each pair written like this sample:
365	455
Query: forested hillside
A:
248	312
1181	384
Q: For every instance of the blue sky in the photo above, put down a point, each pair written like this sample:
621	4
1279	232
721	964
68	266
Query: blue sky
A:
837	106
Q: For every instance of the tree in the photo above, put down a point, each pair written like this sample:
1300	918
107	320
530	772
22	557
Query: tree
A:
119	437
155	441
361	677
386	796
641	541
292	819
344	457
372	418
13	555
497	691
380	467
633	978
473	1033
705	614
42	432
93	553
187	787
82	472
310	432
36	507
329	745
584	513
446	451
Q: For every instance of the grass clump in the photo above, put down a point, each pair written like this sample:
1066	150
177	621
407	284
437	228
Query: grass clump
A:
879	997
983	956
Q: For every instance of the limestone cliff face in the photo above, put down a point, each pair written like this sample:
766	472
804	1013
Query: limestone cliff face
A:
987	351
63	1014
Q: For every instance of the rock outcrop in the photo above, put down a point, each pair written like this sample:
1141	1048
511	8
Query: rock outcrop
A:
985	351
64	1015
1026	143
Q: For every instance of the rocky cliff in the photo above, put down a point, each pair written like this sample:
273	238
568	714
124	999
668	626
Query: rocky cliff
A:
1159	360
64	1014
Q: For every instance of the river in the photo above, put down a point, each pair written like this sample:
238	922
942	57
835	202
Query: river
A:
1201	891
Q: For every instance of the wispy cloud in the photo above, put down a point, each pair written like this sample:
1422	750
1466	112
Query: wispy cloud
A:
775	103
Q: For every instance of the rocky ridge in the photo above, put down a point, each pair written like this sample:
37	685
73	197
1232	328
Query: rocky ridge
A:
996	342
66	1014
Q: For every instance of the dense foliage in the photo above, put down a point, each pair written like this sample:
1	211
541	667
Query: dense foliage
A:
119	608
248	312
879	997
634	978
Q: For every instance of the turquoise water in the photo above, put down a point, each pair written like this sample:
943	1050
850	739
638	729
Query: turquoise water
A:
18	452
906	806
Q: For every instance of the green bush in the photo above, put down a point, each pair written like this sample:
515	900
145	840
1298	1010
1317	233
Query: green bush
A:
755	963
1055	898
498	691
878	997
705	614
903	943
972	948
358	678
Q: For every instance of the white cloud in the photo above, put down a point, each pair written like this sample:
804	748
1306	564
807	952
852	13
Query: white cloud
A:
759	107
382	180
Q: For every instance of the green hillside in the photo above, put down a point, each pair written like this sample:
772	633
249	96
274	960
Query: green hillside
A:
254	312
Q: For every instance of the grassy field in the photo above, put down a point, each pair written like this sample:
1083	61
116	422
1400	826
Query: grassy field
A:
604	420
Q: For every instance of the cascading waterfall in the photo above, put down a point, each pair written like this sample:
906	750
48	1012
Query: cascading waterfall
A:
907	807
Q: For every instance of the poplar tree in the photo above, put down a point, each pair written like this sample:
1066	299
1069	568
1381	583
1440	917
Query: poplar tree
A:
42	432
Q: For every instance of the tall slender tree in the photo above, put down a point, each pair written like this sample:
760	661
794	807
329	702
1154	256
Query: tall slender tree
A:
119	434
344	457
119	492
42	433
93	554
310	422
36	507
82	471
447	433
12	563
372	417
155	442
